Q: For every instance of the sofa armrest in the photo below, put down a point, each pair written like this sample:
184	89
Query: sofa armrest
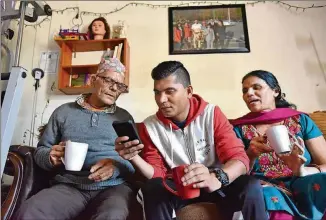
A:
9	204
35	178
319	117
29	178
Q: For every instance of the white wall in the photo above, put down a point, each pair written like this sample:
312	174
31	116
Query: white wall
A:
279	39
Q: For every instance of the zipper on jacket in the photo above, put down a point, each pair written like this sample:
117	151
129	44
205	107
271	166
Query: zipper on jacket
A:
187	148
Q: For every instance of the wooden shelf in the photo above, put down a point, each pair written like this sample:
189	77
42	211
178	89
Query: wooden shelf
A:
76	90
68	47
81	69
91	45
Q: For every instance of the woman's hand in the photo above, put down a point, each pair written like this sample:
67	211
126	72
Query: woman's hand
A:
257	147
295	160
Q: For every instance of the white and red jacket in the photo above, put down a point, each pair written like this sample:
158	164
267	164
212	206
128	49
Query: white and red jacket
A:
207	138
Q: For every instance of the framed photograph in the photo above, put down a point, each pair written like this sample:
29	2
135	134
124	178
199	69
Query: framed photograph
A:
208	29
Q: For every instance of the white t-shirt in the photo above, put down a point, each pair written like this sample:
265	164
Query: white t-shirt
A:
196	27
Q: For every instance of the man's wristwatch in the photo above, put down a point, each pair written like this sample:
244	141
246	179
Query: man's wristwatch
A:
221	176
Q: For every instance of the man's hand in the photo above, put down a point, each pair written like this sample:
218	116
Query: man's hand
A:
257	146
57	151
199	175
127	150
102	170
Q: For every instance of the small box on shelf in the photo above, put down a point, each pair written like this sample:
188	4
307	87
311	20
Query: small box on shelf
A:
80	80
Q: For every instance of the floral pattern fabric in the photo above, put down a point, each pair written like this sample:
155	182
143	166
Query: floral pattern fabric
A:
302	197
270	164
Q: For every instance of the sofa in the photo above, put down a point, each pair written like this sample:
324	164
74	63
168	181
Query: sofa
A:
28	179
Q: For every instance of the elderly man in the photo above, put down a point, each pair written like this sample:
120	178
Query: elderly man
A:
100	190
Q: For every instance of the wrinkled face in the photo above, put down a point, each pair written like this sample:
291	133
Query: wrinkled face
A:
108	86
258	95
98	28
171	97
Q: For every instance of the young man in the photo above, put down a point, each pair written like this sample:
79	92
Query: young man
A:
100	190
188	130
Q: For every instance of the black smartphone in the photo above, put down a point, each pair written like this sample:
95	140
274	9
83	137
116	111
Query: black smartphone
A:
126	128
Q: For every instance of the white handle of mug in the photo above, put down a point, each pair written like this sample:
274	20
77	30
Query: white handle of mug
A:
63	160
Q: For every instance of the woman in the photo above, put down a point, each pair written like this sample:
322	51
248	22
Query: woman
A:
99	29
295	182
187	38
177	36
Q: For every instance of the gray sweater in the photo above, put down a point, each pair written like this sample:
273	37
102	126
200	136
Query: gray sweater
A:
72	122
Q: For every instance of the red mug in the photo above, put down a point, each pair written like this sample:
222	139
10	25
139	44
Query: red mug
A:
185	192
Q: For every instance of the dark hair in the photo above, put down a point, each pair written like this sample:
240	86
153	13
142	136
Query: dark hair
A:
272	82
220	20
168	68
106	27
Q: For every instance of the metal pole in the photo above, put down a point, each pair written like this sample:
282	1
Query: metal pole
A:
20	31
31	134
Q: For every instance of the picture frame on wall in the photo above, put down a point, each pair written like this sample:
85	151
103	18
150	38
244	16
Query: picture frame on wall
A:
208	29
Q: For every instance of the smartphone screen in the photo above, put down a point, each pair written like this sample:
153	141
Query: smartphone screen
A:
126	128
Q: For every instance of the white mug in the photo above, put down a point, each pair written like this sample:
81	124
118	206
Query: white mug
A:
75	154
278	138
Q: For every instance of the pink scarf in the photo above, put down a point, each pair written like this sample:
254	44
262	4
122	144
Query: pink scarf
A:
274	116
